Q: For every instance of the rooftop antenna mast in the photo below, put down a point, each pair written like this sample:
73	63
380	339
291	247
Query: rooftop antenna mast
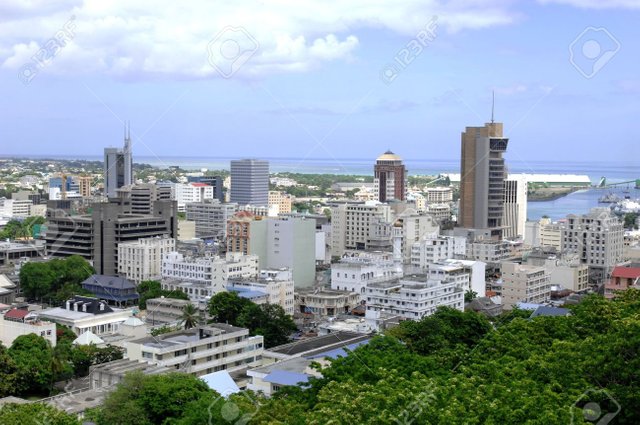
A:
493	103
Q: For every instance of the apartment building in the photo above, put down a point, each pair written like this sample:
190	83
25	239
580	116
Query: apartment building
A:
356	270
438	195
351	225
489	251
598	238
282	200
469	275
437	248
522	283
192	192
18	322
414	297
142	259
441	212
325	302
200	351
565	269
277	285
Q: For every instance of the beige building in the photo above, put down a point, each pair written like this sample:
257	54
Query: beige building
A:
441	212
277	285
326	302
282	199
529	284
438	195
351	224
200	351
142	259
84	186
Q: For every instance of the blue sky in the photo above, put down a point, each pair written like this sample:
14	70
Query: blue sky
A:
313	86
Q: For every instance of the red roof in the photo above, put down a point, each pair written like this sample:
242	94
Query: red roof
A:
626	272
16	314
199	184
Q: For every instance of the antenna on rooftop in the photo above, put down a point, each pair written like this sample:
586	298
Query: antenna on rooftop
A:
493	103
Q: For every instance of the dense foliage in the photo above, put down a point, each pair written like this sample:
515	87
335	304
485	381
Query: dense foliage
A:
20	229
32	367
268	320
56	280
149	289
449	368
35	414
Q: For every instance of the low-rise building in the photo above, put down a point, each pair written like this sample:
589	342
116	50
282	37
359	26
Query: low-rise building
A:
489	251
437	248
83	314
282	200
522	283
622	278
116	290
277	285
438	194
17	322
325	302
414	297
164	310
200	351
357	269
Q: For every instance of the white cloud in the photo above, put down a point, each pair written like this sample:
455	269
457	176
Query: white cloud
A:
169	39
597	4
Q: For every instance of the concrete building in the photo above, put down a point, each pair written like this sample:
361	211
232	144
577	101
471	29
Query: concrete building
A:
214	181
415	226
190	193
211	217
201	350
325	302
551	234
441	212
476	270
83	314
352	223
142	259
277	285
201	278
488	251
96	236
390	178
18	322
483	174
286	242
414	297
515	206
565	269
118	166
84	186
437	248
438	195
250	182
522	283
161	311
282	200
356	270
139	198
7	290
10	252
239	232
15	208
597	237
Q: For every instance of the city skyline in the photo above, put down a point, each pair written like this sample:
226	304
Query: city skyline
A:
323	89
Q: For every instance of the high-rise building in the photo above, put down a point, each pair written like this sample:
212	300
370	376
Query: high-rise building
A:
96	236
390	178
515	206
118	166
139	198
250	182
213	181
211	217
84	186
352	224
142	259
482	179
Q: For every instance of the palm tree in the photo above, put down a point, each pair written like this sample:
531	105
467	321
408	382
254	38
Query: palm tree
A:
190	316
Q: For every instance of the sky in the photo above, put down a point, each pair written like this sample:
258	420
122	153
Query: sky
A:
320	79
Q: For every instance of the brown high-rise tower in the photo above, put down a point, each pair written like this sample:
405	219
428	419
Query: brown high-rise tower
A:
482	178
390	177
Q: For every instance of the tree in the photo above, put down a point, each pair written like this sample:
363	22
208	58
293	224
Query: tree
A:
149	289
33	358
268	320
35	414
470	295
225	307
190	316
8	373
36	280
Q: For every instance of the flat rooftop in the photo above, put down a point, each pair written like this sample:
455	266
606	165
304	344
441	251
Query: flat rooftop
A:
319	343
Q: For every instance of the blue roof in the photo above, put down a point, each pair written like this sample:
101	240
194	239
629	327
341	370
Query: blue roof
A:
221	382
544	310
527	306
284	377
338	352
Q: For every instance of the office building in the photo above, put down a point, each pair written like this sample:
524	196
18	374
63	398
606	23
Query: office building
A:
250	182
118	166
191	192
515	206
565	269
96	236
139	198
276	285
438	195
211	217
482	179
390	178
214	181
598	239
142	259
199	351
522	283
239	232
356	270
